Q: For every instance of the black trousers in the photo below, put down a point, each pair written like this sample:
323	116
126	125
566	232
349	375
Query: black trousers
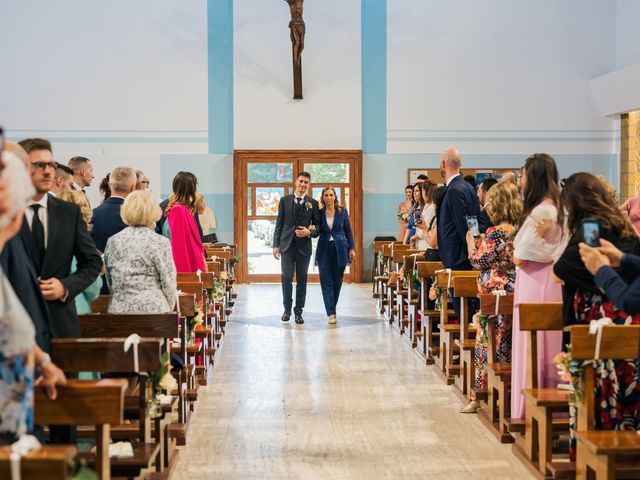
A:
292	261
331	279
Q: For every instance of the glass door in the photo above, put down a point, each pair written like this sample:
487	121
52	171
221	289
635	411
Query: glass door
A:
263	178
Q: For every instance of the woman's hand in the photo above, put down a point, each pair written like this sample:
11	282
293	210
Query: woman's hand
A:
51	376
471	243
543	227
518	262
352	255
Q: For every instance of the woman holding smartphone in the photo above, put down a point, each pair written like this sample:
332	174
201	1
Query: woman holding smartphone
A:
422	221
336	249
594	214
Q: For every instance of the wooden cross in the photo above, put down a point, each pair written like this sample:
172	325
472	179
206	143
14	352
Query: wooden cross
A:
297	28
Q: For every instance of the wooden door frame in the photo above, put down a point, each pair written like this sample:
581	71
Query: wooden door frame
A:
240	157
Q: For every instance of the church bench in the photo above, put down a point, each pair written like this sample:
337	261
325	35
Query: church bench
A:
378	266
429	318
603	454
203	332
541	403
221	306
395	256
466	288
498	374
450	331
85	402
107	355
405	294
383	278
51	462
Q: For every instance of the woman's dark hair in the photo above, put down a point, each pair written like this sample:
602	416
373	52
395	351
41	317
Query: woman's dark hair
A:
409	187
541	182
336	202
104	187
471	180
428	187
585	196
419	203
436	198
184	189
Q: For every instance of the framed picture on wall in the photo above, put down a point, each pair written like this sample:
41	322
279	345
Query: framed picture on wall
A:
413	173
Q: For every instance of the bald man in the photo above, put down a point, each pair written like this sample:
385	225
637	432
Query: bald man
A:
459	202
509	177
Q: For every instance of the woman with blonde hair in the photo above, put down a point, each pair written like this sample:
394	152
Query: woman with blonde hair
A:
139	265
84	299
492	254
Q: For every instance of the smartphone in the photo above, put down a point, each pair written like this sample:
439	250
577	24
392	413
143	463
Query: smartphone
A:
472	225
417	217
591	232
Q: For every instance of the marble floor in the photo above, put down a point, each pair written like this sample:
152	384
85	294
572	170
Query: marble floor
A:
319	401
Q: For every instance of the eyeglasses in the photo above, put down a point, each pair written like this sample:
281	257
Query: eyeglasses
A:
42	166
146	182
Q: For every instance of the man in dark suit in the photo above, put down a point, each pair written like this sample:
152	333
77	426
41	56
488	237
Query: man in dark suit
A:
106	219
459	201
298	221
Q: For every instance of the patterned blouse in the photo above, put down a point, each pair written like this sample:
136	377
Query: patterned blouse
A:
140	272
494	259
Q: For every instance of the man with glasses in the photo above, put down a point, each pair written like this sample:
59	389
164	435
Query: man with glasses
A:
55	232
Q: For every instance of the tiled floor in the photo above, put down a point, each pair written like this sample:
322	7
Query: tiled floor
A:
318	401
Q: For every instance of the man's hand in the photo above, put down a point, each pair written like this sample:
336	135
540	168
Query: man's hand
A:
276	253
303	232
593	260
52	289
614	255
51	377
352	255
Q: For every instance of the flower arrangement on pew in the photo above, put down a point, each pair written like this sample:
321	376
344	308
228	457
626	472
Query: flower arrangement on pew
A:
219	287
158	381
232	265
570	371
435	292
193	322
480	322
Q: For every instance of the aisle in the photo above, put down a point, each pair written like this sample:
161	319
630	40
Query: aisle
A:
317	401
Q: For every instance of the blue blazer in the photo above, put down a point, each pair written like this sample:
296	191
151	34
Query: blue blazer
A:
342	236
106	221
460	200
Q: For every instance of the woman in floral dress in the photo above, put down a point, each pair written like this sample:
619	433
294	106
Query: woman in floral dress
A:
617	394
492	254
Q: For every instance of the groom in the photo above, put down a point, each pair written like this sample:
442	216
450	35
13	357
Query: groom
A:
298	220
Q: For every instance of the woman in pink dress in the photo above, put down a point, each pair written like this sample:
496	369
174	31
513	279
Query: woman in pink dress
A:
632	208
404	211
539	242
186	244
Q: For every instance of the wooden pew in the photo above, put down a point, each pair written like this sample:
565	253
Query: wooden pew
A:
429	318
395	257
603	454
541	403
100	304
466	288
449	332
106	355
498	374
378	269
405	260
51	462
201	332
382	280
413	325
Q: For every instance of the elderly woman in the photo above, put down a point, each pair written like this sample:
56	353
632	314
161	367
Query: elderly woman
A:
139	266
19	353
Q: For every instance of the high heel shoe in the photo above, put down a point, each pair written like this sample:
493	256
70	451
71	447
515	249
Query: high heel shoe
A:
472	407
332	319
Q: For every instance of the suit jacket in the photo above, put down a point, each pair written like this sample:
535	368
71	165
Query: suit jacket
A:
460	200
67	237
18	267
106	221
342	236
625	296
284	234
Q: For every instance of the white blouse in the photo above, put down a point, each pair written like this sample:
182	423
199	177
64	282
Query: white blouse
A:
330	224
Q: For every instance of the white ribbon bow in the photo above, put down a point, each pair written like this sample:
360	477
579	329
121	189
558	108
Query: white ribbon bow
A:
498	294
595	327
199	272
448	270
26	444
133	339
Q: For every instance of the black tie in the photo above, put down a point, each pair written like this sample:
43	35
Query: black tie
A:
37	232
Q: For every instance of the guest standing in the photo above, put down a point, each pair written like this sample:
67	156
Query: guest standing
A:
539	242
492	254
186	237
83	299
617	393
404	210
160	226
138	262
419	239
418	205
336	249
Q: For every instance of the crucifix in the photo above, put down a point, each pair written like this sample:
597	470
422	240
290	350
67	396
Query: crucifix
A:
297	28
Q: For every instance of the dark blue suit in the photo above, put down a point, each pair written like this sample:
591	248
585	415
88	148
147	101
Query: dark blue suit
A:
624	296
18	267
332	256
460	200
106	221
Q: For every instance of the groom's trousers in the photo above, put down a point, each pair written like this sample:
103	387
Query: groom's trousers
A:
293	261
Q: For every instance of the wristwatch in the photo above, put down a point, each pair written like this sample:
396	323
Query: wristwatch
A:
45	361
